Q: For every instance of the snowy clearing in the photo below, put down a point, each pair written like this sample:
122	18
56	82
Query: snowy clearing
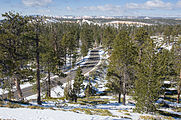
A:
34	114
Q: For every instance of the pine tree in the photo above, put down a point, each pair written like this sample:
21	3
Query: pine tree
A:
14	48
68	91
167	71
69	44
97	35
84	50
109	35
89	91
177	64
121	62
140	37
34	34
167	35
48	57
86	37
148	82
78	82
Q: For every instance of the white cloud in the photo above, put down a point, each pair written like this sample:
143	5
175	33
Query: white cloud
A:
151	4
36	2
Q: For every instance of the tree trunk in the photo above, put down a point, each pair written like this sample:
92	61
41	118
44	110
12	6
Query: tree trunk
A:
38	71
124	99
124	92
17	83
65	57
70	59
119	97
178	96
49	85
10	92
140	54
76	98
124	85
179	87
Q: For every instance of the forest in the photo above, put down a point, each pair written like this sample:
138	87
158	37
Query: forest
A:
138	65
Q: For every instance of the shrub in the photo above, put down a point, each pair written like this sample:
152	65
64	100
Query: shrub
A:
147	118
94	97
36	107
2	105
123	111
89	91
10	105
177	110
156	118
126	113
88	111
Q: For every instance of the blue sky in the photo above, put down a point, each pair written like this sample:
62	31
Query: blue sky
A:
93	7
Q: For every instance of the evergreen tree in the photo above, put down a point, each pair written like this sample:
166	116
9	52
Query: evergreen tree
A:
34	34
69	44
48	57
97	35
86	37
68	91
109	35
167	34
177	64
121	62
149	78
140	37
89	91
14	48
78	82
167	71
84	50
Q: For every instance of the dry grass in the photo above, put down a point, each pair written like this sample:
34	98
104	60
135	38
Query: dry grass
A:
123	111
155	118
36	107
101	112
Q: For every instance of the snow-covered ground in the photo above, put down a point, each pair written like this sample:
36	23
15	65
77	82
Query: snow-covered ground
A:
159	40
116	112
171	104
34	114
2	91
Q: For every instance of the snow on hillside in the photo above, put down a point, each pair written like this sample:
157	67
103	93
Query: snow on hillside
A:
159	40
115	111
128	23
34	114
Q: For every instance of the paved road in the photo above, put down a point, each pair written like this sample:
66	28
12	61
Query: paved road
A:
90	63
